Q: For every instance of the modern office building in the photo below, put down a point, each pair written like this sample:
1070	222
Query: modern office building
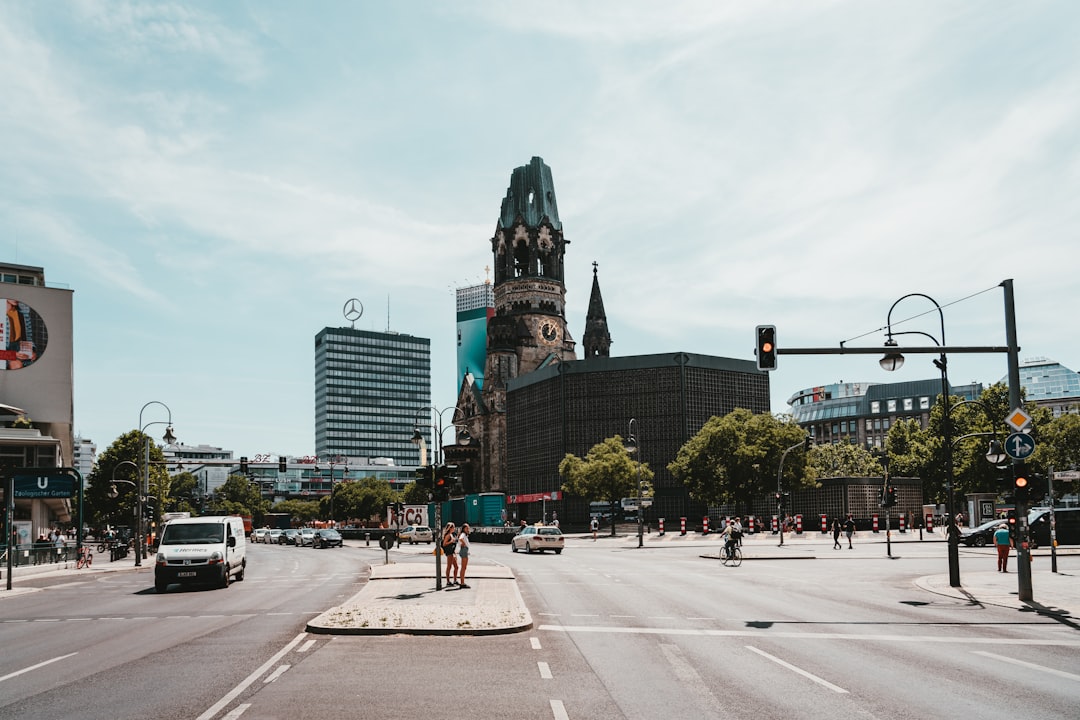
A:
1050	385
36	386
368	388
85	455
475	306
862	412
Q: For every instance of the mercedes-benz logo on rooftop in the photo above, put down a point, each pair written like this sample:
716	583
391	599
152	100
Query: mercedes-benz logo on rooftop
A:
353	310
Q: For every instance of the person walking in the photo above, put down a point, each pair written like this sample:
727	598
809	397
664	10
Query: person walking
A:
1003	543
448	543
836	534
594	525
849	530
463	552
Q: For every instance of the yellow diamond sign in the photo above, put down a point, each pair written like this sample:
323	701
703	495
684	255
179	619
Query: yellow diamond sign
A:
1017	419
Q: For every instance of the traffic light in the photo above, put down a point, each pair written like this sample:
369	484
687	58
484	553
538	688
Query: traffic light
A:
781	499
888	496
442	486
1021	482
281	464
243	465
1011	519
766	347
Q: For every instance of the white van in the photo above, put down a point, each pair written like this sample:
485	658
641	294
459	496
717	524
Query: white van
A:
204	550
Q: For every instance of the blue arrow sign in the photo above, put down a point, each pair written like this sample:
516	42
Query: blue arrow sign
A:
1019	446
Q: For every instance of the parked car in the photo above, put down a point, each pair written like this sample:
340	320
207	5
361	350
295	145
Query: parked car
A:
290	536
274	537
260	535
1066	520
538	538
416	533
982	535
326	538
307	536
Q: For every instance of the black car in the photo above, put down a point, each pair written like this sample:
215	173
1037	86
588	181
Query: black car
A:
982	535
326	538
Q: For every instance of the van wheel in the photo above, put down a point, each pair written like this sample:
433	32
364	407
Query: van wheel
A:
225	578
243	567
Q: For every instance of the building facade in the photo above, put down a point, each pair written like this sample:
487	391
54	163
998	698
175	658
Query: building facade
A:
368	387
1050	385
862	413
475	306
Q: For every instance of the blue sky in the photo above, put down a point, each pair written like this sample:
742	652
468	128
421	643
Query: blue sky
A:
215	180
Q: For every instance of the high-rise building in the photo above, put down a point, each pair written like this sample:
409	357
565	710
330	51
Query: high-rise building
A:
85	456
475	306
369	389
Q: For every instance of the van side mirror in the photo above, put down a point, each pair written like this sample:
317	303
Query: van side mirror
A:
232	541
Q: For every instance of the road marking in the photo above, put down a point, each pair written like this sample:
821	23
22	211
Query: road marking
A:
237	712
535	642
811	636
276	674
1032	666
691	680
235	692
545	671
798	670
306	646
558	710
35	667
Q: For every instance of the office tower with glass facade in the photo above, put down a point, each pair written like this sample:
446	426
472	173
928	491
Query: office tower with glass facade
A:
475	306
369	387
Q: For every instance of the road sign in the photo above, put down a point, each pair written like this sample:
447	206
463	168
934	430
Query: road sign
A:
36	483
1018	419
1019	446
1067	475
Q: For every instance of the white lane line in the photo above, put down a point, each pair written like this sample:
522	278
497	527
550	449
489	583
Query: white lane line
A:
306	646
999	642
235	692
35	667
798	670
535	642
545	671
691	681
276	674
558	711
1032	666
237	711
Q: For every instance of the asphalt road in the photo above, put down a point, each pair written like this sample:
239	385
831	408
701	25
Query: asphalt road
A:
619	633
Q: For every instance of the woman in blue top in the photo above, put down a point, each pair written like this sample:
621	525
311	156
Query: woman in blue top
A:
1003	542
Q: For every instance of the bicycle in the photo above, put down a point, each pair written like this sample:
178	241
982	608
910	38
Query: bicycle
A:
85	559
731	556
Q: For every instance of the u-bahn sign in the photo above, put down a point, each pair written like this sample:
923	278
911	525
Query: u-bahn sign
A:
37	483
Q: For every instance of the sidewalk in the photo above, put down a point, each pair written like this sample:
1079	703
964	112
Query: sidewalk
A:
23	576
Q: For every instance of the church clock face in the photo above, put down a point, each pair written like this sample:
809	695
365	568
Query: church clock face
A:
549	332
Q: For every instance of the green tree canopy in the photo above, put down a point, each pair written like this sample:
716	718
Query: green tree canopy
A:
606	474
1059	448
413	494
735	458
301	510
239	496
183	494
129	447
360	499
843	459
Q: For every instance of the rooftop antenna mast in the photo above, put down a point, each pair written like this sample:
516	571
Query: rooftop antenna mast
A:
387	312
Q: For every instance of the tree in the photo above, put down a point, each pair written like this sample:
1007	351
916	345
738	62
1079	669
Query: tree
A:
606	474
360	499
843	460
129	447
735	458
1059	446
301	510
184	494
239	496
413	494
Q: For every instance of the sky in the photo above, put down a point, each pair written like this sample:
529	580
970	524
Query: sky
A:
215	180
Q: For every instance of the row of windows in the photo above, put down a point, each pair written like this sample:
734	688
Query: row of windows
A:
397	343
908	404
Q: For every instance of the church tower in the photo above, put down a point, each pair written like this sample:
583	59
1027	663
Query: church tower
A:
528	329
596	342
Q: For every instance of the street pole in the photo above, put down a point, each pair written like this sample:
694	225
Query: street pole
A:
779	494
1023	552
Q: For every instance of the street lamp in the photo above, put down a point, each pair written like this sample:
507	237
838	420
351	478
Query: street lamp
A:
805	445
894	360
633	447
169	438
437	458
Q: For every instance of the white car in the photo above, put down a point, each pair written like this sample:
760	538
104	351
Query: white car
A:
416	533
538	538
275	536
307	536
260	535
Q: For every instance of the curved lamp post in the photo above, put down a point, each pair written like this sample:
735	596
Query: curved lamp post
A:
335	461
894	360
633	447
169	438
138	497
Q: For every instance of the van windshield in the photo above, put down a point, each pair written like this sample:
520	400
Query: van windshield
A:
192	533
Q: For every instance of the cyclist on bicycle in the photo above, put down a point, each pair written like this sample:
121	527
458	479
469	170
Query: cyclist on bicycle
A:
730	539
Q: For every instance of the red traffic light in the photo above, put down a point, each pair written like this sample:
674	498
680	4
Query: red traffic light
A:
765	348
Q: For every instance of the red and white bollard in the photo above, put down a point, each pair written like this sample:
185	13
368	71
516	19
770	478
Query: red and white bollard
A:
682	526
824	524
775	524
705	525
929	522
660	521
798	524
875	522
903	525
750	524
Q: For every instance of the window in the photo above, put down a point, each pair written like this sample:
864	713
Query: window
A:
907	404
892	406
924	403
875	407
